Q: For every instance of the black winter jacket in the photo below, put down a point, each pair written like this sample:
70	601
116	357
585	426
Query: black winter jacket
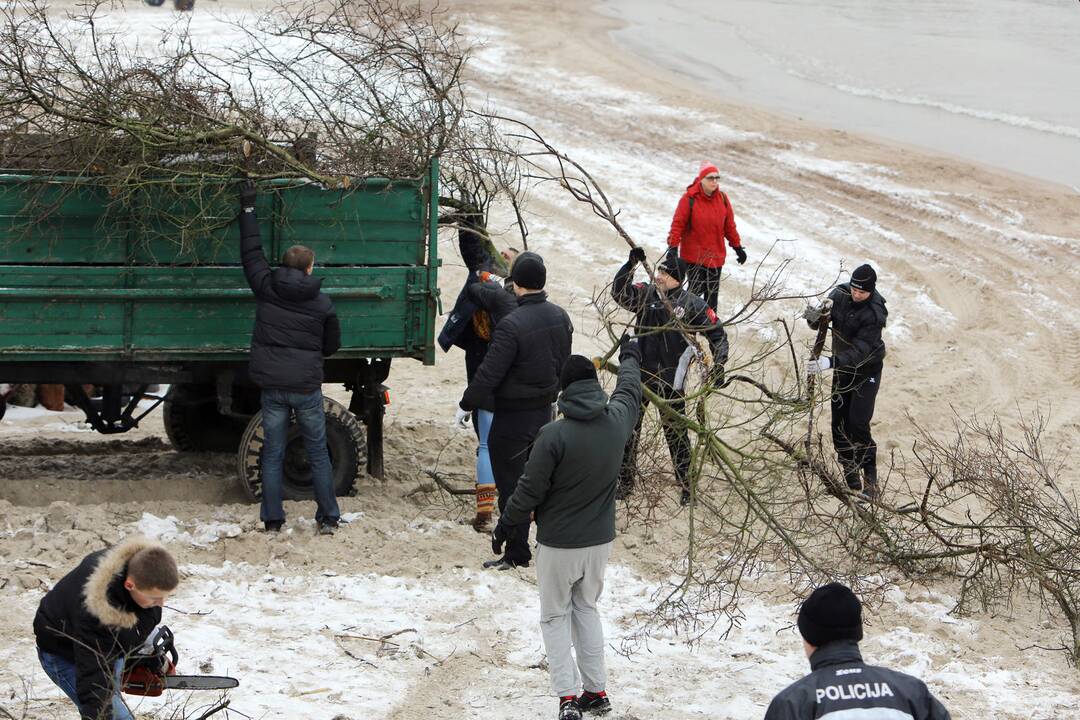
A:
90	619
841	684
295	323
522	367
857	346
570	477
661	350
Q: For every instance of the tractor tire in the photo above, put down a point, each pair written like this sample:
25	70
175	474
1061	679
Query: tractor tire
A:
155	3
183	5
194	424
345	440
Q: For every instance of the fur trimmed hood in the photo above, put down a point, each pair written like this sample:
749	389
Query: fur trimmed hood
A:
96	591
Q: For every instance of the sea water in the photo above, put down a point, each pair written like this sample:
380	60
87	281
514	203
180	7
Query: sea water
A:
992	81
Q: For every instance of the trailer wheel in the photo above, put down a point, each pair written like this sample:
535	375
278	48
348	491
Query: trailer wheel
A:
194	424
344	440
183	5
155	3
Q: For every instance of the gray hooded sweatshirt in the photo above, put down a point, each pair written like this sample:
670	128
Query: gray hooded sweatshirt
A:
570	477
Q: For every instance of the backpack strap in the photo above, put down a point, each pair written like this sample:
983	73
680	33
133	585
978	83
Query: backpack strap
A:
690	213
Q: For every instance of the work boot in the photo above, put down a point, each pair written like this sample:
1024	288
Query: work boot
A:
482	523
568	708
327	527
503	563
594	703
273	526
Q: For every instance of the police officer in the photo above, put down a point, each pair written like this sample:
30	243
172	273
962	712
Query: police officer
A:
840	684
858	316
665	351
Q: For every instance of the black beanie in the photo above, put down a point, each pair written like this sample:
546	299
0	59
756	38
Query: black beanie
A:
529	272
577	367
864	278
673	265
832	612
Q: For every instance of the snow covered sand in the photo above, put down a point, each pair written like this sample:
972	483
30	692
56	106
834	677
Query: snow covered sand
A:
980	271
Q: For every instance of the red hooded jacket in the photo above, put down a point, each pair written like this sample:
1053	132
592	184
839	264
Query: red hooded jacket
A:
699	234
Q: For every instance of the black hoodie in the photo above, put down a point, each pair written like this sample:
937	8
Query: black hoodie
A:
295	322
570	477
857	346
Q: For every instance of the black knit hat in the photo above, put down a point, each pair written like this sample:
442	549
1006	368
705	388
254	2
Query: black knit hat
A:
577	367
864	278
832	612
529	271
673	265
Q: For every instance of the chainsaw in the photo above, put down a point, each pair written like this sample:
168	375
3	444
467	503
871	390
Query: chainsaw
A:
151	670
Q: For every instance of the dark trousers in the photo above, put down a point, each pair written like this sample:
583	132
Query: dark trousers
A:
675	432
509	442
704	282
853	399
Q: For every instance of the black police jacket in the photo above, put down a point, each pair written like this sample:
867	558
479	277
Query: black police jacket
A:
857	346
841	685
295	322
525	359
89	619
661	342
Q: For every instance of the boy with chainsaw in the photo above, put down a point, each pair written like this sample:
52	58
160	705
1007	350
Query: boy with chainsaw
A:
666	317
96	616
857	316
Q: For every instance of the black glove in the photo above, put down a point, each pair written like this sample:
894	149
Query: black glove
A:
247	195
629	348
741	254
637	254
499	537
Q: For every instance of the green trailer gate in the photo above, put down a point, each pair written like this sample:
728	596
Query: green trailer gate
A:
153	292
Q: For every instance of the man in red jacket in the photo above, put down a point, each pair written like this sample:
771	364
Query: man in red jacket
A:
703	220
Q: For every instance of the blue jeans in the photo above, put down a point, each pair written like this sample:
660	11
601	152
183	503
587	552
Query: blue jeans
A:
484	474
62	672
276	406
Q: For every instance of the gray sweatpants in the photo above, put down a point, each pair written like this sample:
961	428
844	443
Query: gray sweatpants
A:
571	580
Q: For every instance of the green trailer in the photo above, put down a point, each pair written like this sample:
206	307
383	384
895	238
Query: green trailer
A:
152	293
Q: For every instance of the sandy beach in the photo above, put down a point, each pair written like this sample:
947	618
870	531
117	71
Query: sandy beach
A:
980	269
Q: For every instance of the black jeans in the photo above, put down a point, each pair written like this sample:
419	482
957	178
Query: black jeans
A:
509	442
675	432
704	282
853	399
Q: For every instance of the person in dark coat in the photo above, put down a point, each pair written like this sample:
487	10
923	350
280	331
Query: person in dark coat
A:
519	379
857	318
296	326
569	482
481	304
96	615
665	351
840	684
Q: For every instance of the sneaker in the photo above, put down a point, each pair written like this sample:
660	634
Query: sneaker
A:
503	564
568	708
594	703
273	526
327	528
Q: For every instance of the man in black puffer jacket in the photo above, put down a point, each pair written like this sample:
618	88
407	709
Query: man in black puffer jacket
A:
96	615
295	327
665	353
858	316
841	685
519	378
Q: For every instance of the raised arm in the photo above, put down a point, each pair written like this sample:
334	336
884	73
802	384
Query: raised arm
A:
256	268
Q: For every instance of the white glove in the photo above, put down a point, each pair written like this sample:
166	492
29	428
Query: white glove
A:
813	313
462	419
816	367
